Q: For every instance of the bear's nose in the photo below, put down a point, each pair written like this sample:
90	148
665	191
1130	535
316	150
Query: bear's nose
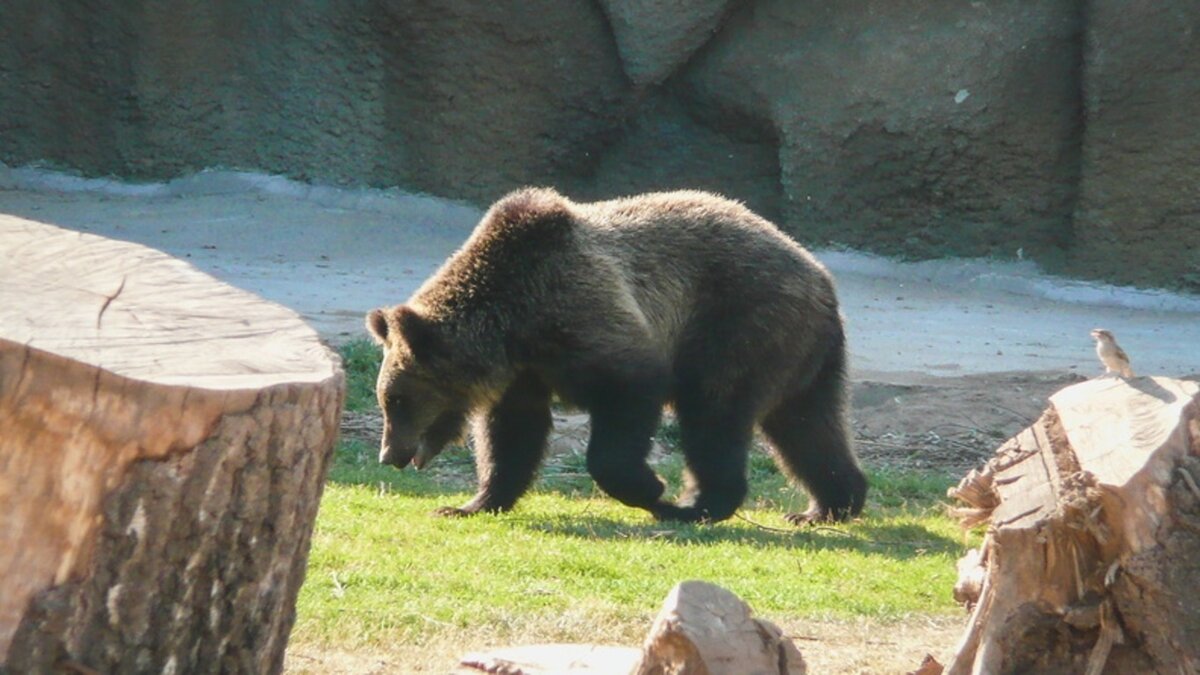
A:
393	456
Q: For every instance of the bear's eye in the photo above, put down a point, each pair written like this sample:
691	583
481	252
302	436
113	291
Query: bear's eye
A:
396	404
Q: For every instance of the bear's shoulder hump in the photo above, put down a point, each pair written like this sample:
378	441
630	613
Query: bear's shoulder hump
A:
530	208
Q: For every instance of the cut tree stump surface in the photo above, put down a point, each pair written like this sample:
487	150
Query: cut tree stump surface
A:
1092	556
164	442
141	314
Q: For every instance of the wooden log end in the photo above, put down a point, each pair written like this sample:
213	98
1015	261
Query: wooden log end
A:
703	628
165	439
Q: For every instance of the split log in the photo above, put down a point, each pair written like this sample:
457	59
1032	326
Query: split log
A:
703	628
1092	555
164	439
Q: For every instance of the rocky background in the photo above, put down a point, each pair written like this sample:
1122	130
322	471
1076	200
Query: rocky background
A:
1068	130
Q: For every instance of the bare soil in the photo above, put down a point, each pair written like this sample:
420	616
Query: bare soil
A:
947	424
941	425
833	647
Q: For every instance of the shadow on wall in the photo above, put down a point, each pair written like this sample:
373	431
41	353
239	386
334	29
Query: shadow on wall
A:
905	127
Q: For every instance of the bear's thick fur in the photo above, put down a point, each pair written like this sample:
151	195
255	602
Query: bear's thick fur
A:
622	307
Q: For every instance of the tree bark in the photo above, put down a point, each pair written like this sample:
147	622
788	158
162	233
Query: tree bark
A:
1092	555
165	439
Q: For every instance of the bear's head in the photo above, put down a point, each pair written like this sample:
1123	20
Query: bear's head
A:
423	410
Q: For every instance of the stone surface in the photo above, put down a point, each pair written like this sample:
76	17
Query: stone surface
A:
1139	211
909	127
656	37
465	101
481	98
665	147
923	129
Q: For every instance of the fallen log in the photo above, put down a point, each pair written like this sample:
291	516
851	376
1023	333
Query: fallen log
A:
164	439
1092	553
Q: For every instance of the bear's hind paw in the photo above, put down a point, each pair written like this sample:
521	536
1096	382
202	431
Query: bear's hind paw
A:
452	512
806	518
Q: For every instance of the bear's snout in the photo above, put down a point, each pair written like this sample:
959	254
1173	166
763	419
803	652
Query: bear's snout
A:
395	448
397	458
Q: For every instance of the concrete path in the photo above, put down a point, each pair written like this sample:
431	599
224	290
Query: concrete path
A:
333	254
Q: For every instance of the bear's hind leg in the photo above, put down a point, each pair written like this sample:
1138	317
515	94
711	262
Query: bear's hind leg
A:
510	440
812	445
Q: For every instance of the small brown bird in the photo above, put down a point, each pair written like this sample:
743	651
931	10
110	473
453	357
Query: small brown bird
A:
1114	358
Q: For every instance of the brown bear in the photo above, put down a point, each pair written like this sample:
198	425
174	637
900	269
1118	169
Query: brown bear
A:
623	307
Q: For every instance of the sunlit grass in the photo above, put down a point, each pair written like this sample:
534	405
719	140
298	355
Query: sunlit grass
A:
360	359
570	564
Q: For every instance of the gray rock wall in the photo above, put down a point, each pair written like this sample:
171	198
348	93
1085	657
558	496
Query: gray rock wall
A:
1062	128
1138	219
910	126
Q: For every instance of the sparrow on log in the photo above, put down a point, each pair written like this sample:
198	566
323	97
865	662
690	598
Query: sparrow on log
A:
1114	358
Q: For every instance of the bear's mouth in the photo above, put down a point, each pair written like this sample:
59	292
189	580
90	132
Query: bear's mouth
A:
425	454
419	456
395	456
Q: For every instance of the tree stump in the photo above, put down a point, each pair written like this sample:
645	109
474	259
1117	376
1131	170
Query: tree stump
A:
1092	556
164	439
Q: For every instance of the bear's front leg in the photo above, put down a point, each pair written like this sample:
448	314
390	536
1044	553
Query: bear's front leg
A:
510	440
622	432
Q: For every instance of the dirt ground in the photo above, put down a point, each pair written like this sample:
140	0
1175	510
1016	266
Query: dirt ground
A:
829	647
949	358
331	255
942	425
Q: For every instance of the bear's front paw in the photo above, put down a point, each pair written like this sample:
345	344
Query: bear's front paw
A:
682	514
817	515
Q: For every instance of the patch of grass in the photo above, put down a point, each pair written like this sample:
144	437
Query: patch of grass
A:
571	564
360	359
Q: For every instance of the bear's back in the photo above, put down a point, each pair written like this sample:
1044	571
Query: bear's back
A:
701	240
693	256
658	263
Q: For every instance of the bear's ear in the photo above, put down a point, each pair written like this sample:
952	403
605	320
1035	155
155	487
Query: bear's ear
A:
377	325
418	333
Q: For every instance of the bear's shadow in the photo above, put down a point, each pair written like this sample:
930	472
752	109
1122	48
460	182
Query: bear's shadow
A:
901	542
897	541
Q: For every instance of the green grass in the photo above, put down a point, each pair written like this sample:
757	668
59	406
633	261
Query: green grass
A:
360	359
570	564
